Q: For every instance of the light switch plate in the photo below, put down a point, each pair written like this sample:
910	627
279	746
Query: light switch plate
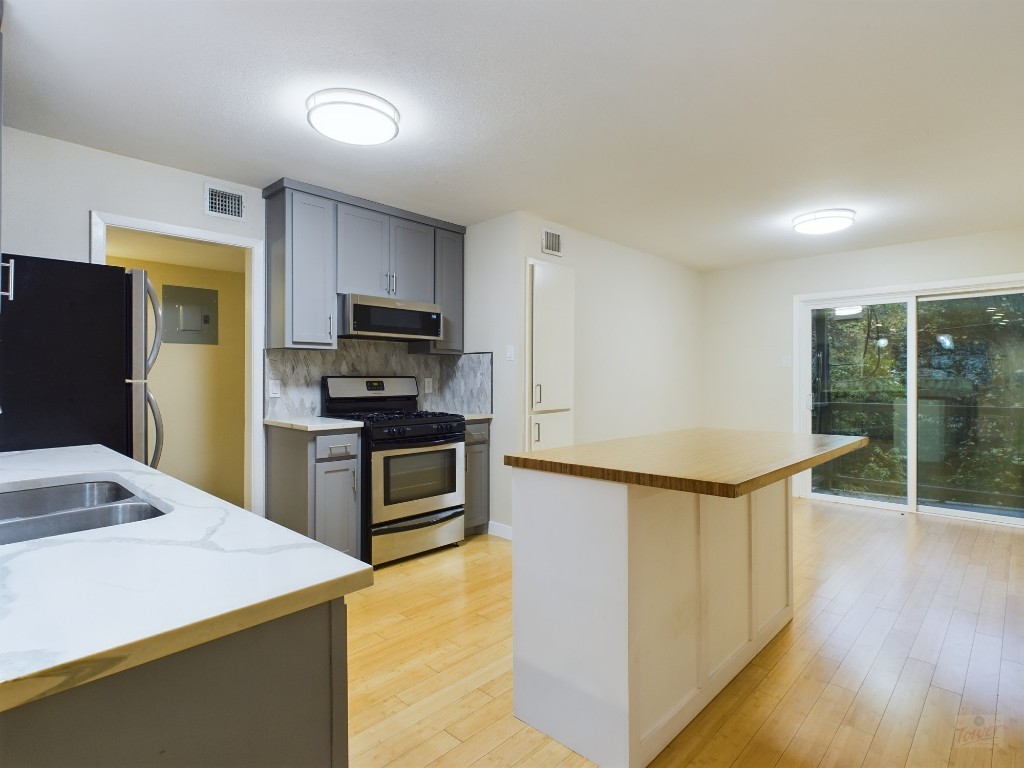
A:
510	352
428	385
273	388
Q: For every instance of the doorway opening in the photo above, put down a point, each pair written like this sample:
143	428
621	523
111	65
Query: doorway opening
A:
209	387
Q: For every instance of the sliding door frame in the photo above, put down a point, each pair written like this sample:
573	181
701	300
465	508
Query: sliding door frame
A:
805	304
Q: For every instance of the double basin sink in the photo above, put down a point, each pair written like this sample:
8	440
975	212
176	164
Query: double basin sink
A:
67	505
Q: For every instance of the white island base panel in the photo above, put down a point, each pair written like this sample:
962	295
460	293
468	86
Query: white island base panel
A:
633	607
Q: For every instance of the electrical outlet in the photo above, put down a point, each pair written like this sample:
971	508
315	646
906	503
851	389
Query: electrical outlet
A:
273	388
428	385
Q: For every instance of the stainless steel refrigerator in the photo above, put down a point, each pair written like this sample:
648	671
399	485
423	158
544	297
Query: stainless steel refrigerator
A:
74	357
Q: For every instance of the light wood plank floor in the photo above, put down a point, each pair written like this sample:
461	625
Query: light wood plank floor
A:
907	648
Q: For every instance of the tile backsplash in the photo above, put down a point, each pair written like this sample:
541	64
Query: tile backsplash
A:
462	383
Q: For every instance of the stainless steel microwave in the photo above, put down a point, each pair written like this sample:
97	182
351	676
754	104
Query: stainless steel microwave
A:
385	318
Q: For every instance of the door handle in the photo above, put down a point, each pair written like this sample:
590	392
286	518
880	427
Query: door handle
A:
9	293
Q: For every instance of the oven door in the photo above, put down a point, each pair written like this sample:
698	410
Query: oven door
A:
416	480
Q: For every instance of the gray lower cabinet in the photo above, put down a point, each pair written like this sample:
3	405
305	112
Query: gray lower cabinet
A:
313	485
478	478
337	505
301	264
272	695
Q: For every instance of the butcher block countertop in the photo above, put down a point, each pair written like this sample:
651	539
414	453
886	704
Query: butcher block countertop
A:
715	462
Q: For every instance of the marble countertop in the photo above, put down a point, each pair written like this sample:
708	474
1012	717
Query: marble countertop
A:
80	606
313	423
716	462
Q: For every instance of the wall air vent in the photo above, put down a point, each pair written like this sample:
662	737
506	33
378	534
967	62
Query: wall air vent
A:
225	203
551	243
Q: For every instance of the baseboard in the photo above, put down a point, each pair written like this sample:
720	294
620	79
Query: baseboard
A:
500	530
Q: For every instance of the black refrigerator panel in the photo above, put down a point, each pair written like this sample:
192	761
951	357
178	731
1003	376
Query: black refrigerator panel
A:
64	355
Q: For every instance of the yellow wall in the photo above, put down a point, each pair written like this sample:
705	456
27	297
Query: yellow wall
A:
201	387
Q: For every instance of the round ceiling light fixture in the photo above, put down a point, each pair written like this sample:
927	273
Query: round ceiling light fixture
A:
824	222
352	117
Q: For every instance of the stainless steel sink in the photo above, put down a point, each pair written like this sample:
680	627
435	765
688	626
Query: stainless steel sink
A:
34	513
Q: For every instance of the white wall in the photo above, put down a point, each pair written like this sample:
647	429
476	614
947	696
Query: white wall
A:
748	314
50	186
637	336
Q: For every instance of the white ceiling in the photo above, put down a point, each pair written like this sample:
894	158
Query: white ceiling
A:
691	130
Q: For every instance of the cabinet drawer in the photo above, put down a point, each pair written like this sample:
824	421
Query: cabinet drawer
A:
476	434
343	446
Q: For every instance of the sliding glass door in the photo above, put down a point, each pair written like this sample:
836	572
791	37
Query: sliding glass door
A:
859	387
956	364
970	404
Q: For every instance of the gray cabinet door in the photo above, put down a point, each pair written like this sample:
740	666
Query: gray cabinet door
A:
412	261
336	518
310	267
478	484
448	288
364	251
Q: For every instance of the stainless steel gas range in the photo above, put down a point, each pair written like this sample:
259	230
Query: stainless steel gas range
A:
414	482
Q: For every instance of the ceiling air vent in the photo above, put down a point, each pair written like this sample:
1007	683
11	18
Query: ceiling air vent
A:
552	243
225	203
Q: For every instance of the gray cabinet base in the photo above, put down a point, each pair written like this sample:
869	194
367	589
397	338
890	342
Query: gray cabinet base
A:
273	695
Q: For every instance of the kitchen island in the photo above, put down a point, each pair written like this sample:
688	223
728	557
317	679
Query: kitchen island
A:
203	636
646	573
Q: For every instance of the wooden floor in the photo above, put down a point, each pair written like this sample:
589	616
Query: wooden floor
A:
907	648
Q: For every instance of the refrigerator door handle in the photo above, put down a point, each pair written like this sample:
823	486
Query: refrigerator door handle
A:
158	447
158	326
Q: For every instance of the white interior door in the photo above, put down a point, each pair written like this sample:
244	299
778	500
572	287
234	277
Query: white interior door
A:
553	314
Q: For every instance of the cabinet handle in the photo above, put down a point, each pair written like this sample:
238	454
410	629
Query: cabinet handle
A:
536	432
330	326
394	283
540	392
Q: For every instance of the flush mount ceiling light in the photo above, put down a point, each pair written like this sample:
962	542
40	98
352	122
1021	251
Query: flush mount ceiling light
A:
824	222
352	117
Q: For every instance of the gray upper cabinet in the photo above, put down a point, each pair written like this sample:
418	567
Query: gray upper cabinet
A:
448	292
382	255
364	251
412	261
302	242
321	243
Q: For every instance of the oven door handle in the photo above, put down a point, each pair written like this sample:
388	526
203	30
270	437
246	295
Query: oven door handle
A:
413	447
421	522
